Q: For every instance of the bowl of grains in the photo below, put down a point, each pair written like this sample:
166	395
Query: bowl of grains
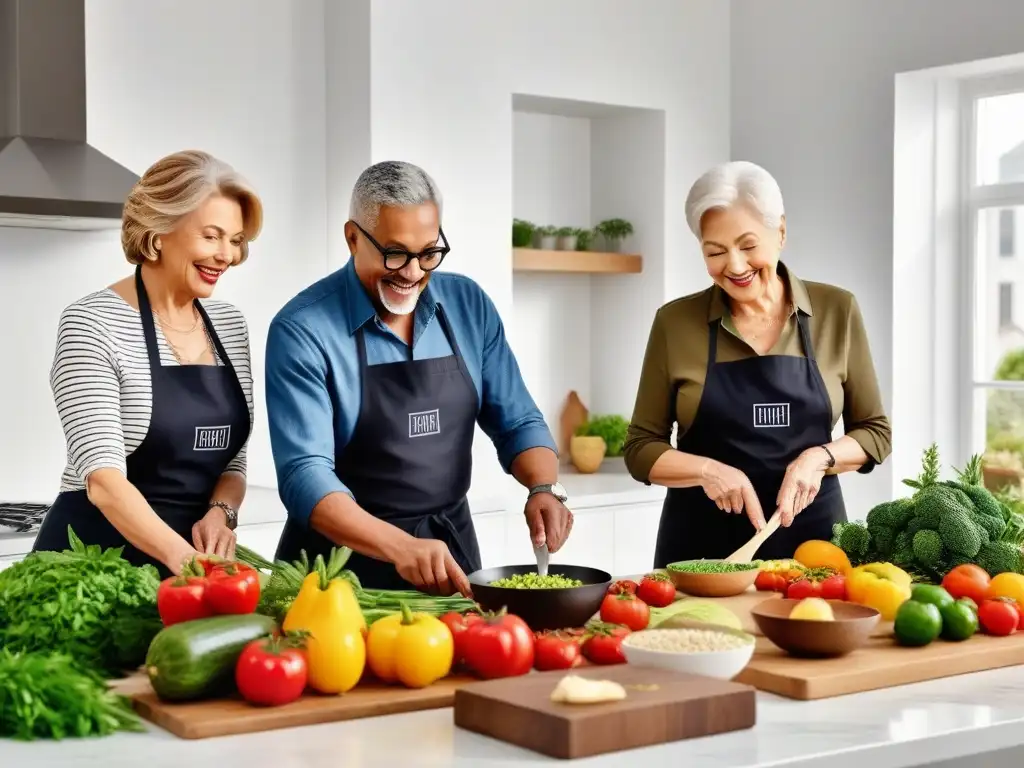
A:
568	596
712	578
719	652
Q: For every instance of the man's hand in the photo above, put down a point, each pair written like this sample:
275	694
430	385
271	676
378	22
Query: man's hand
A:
429	565
212	536
549	520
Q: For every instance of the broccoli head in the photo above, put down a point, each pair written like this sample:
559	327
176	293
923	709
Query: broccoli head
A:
853	538
927	547
960	534
1000	557
993	526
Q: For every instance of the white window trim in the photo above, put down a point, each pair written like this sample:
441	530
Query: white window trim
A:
975	198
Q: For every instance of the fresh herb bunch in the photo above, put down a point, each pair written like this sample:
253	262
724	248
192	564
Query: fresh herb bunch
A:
713	566
50	696
86	602
285	580
611	428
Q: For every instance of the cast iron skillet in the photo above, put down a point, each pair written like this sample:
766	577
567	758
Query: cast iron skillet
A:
543	608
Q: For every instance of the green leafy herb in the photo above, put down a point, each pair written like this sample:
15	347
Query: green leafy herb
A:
712	566
86	602
612	429
49	696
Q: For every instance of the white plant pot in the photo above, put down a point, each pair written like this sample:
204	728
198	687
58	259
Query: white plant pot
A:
547	242
567	243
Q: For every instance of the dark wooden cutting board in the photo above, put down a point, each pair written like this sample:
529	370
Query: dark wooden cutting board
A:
660	706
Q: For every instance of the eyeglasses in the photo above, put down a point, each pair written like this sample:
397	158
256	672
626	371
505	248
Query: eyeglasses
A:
396	258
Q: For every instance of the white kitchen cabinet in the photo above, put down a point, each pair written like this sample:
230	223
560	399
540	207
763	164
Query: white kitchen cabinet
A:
591	542
492	536
636	532
261	538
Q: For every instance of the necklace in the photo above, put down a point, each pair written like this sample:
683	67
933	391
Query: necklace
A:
766	322
165	324
189	361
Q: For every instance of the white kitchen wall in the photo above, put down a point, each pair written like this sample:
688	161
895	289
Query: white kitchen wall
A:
812	93
243	79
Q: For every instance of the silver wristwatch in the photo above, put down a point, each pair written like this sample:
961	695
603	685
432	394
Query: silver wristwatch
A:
555	489
230	512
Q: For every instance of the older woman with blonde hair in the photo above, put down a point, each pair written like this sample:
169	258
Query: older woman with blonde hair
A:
152	378
754	373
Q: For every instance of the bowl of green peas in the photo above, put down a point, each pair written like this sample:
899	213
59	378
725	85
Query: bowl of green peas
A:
712	578
568	596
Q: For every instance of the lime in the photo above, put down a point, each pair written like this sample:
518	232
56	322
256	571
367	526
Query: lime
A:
917	623
959	620
931	593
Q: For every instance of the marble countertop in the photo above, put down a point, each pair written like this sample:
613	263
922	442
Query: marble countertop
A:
911	725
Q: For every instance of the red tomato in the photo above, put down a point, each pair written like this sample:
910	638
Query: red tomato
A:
271	672
604	644
803	588
500	645
623	585
998	617
556	650
770	581
656	589
233	588
834	587
458	623
626	609
967	580
182	598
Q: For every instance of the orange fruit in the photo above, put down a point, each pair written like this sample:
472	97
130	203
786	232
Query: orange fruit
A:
822	554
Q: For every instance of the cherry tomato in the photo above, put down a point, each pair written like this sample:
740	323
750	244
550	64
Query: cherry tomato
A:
770	581
803	588
499	645
967	580
623	586
182	598
604	644
458	623
233	588
998	617
271	672
626	609
656	589
834	587
556	650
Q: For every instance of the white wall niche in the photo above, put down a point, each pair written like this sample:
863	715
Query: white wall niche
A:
576	163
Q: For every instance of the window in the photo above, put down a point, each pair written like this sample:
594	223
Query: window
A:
1005	304
994	205
1006	222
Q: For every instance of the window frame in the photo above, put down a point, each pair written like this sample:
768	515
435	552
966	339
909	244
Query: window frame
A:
974	199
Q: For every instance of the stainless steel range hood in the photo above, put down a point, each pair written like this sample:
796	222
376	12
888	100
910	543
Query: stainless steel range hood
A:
49	175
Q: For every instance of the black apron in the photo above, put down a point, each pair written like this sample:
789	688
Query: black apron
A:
198	424
757	415
409	461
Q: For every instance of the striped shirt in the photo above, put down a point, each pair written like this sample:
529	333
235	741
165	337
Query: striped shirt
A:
102	385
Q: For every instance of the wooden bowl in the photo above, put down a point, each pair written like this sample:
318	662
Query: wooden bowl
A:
587	452
711	584
806	638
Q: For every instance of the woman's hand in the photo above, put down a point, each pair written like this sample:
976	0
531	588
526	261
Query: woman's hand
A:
801	484
212	536
731	490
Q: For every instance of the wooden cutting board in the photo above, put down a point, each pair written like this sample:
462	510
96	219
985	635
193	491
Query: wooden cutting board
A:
226	717
879	664
660	706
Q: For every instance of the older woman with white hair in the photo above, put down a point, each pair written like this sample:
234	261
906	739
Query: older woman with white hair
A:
152	378
754	373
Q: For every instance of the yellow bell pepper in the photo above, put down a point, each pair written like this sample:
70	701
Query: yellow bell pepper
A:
335	643
881	586
416	649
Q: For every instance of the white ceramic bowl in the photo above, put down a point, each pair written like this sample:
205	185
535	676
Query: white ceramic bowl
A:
723	664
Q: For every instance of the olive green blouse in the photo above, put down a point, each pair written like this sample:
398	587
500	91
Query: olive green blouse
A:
675	363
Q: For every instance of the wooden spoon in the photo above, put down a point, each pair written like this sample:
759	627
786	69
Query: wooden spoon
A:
746	553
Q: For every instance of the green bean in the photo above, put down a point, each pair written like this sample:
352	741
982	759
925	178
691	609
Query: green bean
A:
536	581
711	566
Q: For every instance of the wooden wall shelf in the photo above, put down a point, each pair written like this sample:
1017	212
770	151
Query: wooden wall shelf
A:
579	262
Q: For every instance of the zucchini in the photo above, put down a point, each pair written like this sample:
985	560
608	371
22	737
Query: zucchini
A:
196	659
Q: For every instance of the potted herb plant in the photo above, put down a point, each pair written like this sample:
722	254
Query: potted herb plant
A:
610	429
584	237
567	238
522	233
547	237
614	231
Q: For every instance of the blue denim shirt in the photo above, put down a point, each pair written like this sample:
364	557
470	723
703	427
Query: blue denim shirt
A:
312	375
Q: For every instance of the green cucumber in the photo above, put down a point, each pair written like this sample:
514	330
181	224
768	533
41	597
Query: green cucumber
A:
195	659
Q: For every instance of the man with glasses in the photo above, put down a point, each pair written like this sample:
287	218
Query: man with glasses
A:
376	377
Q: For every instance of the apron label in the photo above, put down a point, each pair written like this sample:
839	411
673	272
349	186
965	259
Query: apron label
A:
771	415
423	423
212	438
